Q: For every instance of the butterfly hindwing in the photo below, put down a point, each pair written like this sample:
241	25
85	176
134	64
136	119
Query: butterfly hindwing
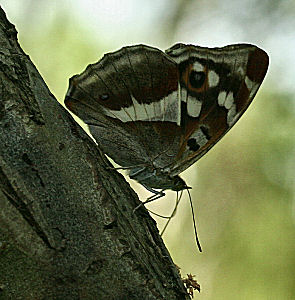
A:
128	99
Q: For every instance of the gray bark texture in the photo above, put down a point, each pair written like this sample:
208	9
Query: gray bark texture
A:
67	227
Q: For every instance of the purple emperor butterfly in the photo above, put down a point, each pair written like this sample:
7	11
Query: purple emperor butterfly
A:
158	113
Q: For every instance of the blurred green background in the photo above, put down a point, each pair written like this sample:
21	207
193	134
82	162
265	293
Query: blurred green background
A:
243	189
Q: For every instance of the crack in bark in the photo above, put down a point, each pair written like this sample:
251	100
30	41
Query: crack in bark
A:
22	207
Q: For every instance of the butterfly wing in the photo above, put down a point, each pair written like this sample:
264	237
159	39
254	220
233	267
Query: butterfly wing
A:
146	107
131	103
220	85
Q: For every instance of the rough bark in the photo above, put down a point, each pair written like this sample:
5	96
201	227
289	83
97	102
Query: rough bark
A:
67	227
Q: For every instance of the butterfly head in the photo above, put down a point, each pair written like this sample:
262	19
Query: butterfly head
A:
178	184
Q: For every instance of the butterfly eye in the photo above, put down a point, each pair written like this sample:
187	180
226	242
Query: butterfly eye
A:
193	145
197	79
104	97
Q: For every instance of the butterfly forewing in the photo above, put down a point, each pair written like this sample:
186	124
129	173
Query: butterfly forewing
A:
233	75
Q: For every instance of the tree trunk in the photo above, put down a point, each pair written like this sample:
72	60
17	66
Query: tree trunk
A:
67	227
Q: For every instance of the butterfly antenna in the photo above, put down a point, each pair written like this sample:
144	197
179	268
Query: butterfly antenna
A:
194	221
173	212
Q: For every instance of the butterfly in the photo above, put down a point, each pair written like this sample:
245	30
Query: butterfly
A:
156	113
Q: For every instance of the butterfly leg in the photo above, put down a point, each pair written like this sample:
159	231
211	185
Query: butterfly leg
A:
125	168
157	195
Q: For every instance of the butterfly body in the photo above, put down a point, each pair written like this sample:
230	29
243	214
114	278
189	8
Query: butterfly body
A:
157	179
157	113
